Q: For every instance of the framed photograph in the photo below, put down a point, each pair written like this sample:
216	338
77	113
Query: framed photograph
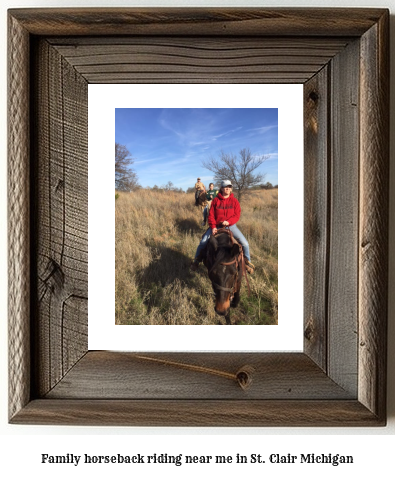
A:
152	233
341	57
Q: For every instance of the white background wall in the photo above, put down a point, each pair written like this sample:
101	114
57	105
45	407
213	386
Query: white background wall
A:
22	446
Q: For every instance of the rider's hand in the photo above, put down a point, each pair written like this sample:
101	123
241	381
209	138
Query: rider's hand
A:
225	223
214	231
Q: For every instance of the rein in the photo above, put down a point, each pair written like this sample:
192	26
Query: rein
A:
239	259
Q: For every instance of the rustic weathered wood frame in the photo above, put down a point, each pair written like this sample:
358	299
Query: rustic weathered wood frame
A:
341	57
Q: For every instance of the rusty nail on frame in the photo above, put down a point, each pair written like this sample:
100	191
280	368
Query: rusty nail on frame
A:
243	376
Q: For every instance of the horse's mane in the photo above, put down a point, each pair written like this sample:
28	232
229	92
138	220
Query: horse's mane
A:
223	240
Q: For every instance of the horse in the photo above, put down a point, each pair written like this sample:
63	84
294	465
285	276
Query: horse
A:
202	200
225	264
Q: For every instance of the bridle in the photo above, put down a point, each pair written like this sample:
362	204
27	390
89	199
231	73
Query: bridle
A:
238	260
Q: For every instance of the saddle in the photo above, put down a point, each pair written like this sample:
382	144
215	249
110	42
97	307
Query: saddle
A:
230	234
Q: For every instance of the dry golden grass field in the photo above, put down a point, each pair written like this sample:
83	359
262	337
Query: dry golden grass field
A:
156	236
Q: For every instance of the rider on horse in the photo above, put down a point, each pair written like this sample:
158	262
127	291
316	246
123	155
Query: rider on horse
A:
210	195
199	187
224	212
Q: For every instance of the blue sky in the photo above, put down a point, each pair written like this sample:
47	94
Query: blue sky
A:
170	144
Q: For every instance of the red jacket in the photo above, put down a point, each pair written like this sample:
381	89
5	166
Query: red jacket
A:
224	210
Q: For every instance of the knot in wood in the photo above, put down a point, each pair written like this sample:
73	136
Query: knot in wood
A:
309	331
313	96
244	376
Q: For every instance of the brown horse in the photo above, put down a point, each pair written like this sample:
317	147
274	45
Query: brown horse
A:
225	264
202	200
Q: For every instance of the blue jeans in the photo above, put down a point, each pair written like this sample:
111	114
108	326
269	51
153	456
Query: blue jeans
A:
236	234
205	211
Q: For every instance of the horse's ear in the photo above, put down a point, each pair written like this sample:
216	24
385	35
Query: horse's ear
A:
214	242
235	250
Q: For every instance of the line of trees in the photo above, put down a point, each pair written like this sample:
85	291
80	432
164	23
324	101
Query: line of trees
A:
268	186
238	169
169	186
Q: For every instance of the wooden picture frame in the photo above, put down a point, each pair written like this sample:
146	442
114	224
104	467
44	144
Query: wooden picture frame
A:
342	58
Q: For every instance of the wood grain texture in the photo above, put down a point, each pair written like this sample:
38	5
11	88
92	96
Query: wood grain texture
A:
196	376
343	255
61	223
18	214
373	237
202	413
199	21
49	224
316	214
191	59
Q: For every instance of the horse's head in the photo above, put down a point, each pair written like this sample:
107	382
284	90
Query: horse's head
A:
223	266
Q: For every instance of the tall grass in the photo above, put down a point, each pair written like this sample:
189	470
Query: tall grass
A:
156	236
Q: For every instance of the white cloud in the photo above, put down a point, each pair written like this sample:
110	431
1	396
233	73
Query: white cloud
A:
263	129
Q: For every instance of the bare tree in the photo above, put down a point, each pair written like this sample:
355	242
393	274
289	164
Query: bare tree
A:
239	170
169	186
125	177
